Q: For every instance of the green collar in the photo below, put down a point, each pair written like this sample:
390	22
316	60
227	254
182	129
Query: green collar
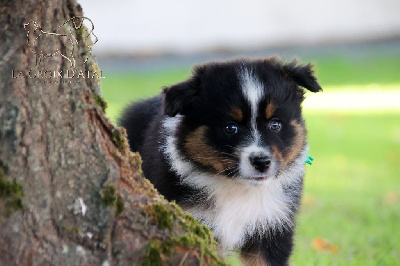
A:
309	160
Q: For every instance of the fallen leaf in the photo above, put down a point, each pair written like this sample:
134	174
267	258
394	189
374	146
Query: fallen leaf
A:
391	197
308	200
321	244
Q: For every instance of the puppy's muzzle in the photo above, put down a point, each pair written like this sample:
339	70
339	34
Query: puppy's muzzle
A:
260	163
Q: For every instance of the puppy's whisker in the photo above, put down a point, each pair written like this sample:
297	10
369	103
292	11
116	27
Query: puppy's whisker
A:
232	169
224	170
229	154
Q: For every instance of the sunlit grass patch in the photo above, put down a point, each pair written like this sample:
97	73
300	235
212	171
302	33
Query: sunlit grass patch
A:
355	99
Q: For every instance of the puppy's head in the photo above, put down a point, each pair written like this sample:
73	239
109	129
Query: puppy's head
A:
241	119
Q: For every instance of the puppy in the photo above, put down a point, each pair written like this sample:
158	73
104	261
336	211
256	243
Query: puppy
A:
229	146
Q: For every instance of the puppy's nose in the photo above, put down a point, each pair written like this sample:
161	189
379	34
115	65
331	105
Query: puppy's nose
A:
260	163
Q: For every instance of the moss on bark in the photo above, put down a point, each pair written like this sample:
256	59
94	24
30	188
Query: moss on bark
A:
100	101
11	194
110	197
196	237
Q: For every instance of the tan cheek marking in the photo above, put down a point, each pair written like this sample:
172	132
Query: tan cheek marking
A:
296	148
236	114
277	154
197	148
298	143
270	110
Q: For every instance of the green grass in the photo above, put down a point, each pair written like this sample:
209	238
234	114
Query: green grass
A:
121	89
334	70
356	167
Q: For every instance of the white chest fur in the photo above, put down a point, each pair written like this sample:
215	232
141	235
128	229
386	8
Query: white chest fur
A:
240	210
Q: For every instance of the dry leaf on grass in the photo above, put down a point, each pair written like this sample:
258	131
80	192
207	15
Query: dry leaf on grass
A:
321	244
308	200
391	197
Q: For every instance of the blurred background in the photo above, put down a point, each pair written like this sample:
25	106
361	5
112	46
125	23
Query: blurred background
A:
351	204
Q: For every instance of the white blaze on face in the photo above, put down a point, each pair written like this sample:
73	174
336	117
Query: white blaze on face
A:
254	92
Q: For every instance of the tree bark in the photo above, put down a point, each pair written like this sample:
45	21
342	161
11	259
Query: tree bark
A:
71	192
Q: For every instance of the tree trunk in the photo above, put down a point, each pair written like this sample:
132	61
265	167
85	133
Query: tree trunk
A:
71	192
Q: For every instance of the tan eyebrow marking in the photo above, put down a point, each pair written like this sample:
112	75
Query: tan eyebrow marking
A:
269	111
236	114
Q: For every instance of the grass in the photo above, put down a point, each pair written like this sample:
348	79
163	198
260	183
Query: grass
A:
121	89
352	191
336	71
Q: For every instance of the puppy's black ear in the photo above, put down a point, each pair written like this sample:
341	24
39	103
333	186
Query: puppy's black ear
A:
303	75
179	98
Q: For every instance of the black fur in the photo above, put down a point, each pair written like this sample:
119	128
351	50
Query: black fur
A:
206	100
277	247
139	116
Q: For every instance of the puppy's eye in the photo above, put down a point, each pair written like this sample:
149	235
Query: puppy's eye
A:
231	128
275	125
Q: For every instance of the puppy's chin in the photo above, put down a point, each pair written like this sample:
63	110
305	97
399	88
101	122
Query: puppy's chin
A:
250	176
254	181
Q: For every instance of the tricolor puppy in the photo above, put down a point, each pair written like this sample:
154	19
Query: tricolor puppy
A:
229	146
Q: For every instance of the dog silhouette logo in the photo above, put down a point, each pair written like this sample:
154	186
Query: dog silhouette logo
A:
35	34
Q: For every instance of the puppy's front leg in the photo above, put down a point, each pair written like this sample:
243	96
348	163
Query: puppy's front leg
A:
272	249
253	259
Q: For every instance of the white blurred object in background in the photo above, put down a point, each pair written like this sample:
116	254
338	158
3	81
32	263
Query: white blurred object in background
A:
181	26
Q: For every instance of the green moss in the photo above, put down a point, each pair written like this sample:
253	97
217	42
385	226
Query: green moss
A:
11	194
119	205
136	158
109	197
83	32
163	215
196	236
201	236
80	30
200	230
139	161
160	252
153	254
117	137
96	69
187	241
100	101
